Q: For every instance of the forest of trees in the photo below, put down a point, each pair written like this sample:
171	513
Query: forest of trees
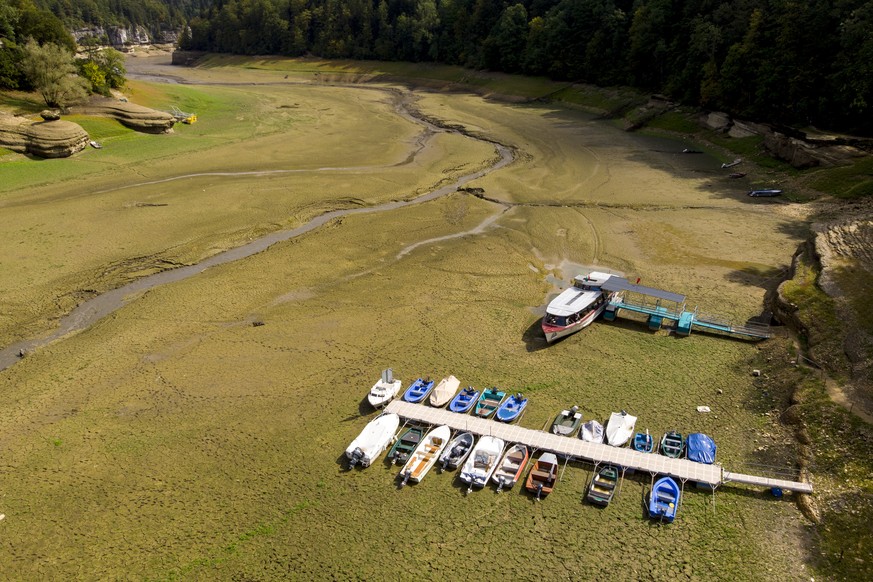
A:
790	61
786	61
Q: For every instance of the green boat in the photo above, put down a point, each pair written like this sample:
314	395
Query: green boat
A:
488	402
404	446
672	444
603	485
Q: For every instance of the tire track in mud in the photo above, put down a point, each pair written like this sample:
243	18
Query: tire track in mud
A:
93	310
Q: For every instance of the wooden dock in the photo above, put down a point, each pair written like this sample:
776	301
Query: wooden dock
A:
682	469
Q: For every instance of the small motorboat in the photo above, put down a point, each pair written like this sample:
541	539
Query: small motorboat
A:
488	402
384	390
464	400
736	162
95	144
373	440
737	175
672	444
620	428
603	486
482	461
764	193
511	467
592	432
543	475
419	390
691	151
566	423
457	451
643	442
664	499
404	446
425	455
577	306
700	448
511	408
444	391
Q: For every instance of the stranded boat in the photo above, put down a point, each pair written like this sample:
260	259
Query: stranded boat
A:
664	499
404	446
566	423
373	440
672	444
576	307
511	467
457	451
592	432
542	477
765	193
511	408
464	400
643	442
418	391
620	428
482	462
425	455
602	487
384	390
489	402
444	391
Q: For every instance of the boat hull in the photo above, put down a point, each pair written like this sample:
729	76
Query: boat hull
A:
464	401
373	440
426	454
556	332
511	409
511	467
664	500
444	391
382	393
482	461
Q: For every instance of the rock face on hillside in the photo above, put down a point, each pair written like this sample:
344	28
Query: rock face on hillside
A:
136	117
120	37
46	139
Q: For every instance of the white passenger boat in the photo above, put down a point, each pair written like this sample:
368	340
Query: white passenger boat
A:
620	428
482	461
373	440
384	390
576	307
425	455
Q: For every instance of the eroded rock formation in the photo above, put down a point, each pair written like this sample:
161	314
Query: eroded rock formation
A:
134	116
46	139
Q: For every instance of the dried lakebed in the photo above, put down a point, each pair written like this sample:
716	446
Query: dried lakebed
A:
91	311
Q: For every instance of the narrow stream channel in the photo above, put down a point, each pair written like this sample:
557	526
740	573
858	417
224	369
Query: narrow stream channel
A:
90	312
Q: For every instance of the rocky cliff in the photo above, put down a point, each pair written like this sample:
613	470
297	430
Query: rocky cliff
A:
121	37
136	117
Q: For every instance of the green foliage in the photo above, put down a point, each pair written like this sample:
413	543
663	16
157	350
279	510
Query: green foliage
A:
851	181
51	72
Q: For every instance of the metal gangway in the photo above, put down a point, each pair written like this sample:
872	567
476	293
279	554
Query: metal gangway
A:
682	469
659	305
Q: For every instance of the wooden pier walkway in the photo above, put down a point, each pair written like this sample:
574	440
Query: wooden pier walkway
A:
576	448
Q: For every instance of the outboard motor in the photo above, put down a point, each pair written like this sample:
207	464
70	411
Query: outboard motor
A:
357	456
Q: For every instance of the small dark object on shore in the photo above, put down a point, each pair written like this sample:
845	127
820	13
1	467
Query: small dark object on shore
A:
21	353
257	323
689	151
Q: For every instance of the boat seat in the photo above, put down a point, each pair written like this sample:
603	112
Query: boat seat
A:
541	475
666	498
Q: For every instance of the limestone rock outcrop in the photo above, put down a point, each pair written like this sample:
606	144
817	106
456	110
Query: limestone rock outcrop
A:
130	115
46	139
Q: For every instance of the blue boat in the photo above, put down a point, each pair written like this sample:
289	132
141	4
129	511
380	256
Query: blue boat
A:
464	400
700	448
664	500
488	402
643	442
511	408
418	391
766	193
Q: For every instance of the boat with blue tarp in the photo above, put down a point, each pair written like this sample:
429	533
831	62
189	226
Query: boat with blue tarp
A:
700	448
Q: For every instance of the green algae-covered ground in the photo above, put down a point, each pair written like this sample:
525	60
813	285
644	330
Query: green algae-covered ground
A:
177	440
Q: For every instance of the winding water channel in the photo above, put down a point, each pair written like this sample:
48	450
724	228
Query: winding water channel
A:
93	310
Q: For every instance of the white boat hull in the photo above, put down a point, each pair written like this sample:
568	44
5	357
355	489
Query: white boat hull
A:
555	332
426	454
483	461
373	440
382	393
620	428
445	391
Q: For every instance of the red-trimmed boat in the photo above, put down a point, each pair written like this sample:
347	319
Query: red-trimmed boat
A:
577	306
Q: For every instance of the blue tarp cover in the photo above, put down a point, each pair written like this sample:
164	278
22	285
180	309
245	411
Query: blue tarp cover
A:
701	448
